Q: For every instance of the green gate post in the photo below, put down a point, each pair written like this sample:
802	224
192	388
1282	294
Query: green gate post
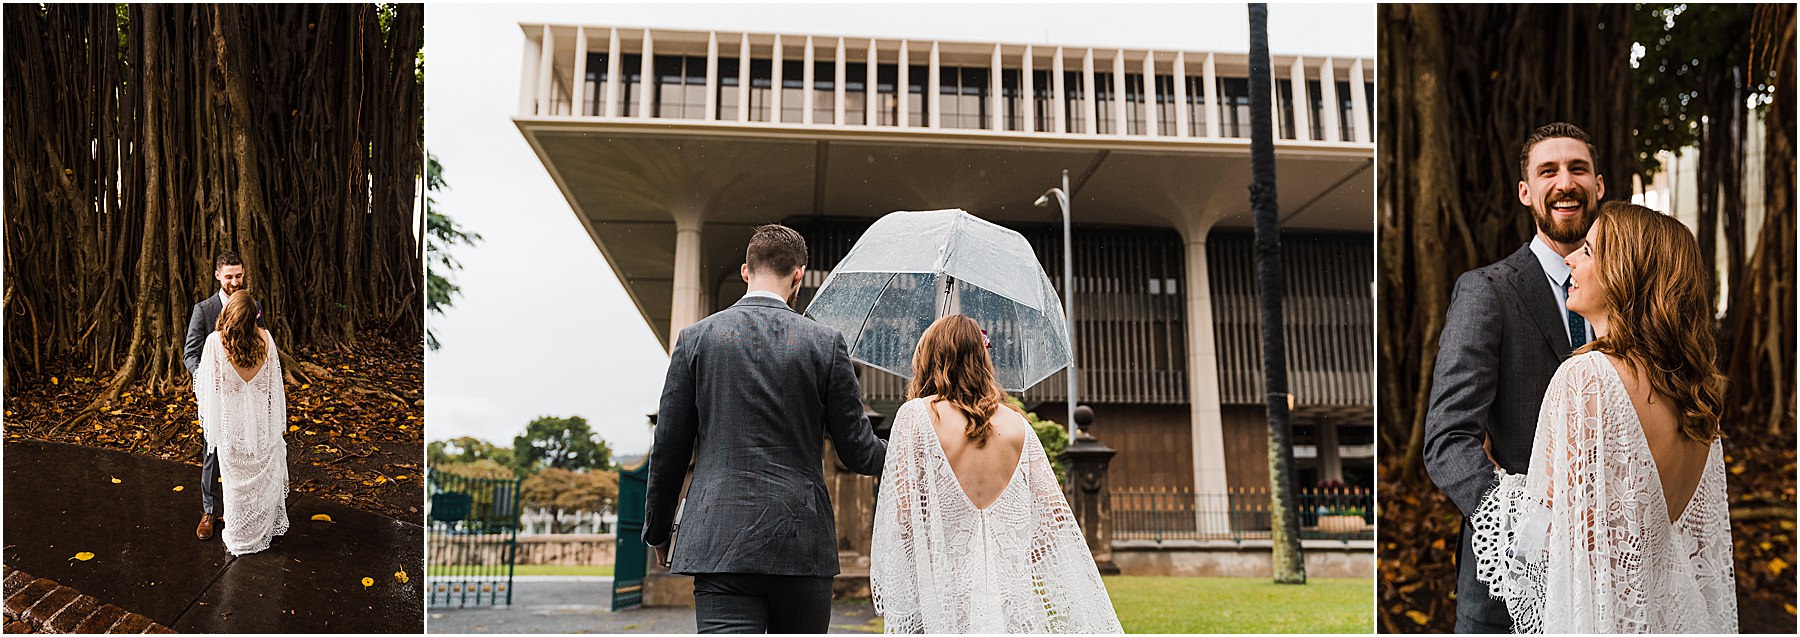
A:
630	557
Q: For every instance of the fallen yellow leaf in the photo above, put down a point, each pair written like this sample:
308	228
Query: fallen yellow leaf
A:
297	427
1777	565
320	517
179	487
117	481
368	581
404	477
84	556
1417	617
383	479
53	381
400	576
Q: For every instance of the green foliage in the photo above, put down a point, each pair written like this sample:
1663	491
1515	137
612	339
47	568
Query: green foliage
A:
464	450
441	233
562	491
1686	50
483	468
1054	437
560	443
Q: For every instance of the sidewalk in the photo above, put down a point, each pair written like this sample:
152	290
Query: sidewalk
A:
583	605
61	500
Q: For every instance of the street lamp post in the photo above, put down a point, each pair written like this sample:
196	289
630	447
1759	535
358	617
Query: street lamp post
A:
1062	200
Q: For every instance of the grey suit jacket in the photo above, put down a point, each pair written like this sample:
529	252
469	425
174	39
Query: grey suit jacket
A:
1503	339
201	321
751	393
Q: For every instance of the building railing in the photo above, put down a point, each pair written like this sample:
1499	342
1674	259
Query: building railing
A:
1240	514
719	76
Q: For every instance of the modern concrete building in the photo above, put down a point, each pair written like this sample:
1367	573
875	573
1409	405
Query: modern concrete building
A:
671	146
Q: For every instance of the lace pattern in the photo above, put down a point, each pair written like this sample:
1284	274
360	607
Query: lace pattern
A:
940	565
1583	543
243	422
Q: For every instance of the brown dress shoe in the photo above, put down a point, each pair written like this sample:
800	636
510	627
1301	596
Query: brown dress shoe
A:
205	530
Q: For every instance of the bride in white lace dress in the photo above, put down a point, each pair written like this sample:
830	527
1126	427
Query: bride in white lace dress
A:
243	411
1622	524
972	533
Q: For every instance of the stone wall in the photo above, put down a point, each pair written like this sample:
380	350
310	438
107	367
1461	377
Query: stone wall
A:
567	549
1249	558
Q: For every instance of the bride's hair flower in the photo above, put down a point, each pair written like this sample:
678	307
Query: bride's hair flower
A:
984	340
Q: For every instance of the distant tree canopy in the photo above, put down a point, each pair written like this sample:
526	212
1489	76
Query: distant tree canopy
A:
143	139
561	443
562	492
468	449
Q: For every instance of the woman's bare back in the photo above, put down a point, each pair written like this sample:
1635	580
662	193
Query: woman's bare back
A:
985	471
1680	461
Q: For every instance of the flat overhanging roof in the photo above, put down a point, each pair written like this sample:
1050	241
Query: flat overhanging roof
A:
626	178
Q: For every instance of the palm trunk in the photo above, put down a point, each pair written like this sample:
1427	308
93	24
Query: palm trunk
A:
1289	562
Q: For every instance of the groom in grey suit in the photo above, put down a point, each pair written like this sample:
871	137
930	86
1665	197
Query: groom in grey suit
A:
228	270
751	393
1506	332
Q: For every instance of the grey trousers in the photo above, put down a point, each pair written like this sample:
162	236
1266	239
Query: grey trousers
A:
753	603
210	487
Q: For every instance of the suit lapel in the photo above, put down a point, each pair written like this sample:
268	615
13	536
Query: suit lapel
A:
1533	288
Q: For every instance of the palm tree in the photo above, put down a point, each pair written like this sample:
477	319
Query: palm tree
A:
1289	563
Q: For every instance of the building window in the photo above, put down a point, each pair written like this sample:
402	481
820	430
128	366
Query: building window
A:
1134	104
1196	107
1346	113
1041	100
1166	108
1074	102
963	93
918	108
1235	98
762	87
793	87
887	105
1284	108
1315	110
1103	104
824	90
728	89
680	87
593	86
1012	107
856	93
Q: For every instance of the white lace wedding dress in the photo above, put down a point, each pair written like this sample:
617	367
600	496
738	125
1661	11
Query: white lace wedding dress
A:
243	422
1583	543
940	565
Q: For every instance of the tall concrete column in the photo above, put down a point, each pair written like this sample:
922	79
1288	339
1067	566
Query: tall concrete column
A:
684	304
1203	371
1331	465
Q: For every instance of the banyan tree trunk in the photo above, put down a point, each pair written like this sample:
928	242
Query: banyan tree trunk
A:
144	139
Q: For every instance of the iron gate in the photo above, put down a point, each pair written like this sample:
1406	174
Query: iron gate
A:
474	539
630	558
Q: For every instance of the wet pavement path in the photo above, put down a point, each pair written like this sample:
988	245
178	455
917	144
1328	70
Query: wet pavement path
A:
582	605
62	500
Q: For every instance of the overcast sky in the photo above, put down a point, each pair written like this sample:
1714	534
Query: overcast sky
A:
543	327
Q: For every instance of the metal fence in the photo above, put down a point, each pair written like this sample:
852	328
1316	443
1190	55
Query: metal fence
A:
1239	514
473	535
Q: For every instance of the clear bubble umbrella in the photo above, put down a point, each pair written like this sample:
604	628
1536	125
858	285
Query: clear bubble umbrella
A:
911	268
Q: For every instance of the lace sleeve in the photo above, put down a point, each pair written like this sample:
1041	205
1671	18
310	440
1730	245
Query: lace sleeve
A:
1708	521
1536	537
898	553
206	393
1063	574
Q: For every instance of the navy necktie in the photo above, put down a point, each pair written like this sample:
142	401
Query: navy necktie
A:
1577	325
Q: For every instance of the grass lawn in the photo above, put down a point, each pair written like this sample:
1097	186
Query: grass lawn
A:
540	569
1234	605
1242	605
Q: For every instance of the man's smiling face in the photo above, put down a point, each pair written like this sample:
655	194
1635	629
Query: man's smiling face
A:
1561	188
